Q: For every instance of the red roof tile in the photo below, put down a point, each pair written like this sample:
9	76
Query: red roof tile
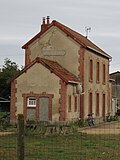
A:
59	70
74	35
54	67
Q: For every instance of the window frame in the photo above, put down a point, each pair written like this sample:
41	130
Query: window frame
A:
90	102
75	103
97	104
69	103
104	73
97	71
103	104
31	100
91	70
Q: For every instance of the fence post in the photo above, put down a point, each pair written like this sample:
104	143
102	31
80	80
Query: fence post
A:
20	138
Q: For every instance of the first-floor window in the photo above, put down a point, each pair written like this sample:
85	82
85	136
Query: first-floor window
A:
91	71
31	102
104	73
97	72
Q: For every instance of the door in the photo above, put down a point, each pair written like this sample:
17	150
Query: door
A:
44	109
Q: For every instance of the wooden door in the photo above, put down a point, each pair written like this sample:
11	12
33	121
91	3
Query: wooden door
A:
44	109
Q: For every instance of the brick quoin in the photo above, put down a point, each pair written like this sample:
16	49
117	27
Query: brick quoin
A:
13	101
63	101
38	96
81	76
27	56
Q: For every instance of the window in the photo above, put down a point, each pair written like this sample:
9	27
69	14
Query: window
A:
97	104
31	102
90	102
97	72
69	103
75	103
103	105
104	73
91	71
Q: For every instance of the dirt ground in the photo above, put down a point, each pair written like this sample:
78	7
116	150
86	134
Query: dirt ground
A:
106	128
5	133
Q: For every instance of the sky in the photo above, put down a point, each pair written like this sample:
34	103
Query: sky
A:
20	20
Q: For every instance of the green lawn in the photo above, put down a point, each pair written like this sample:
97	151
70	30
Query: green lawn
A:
63	147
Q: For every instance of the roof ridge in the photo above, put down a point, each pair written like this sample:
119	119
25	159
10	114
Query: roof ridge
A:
80	35
76	36
58	70
65	27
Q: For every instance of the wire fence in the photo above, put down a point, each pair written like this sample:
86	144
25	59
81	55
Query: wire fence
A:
43	141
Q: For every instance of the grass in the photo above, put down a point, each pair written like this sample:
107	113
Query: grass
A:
65	147
4	114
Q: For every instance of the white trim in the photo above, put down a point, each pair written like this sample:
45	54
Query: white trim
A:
106	55
73	82
31	102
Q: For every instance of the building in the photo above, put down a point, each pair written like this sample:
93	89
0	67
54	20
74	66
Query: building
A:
4	105
66	76
115	77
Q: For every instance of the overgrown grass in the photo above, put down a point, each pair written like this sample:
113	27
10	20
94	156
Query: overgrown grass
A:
63	147
4	114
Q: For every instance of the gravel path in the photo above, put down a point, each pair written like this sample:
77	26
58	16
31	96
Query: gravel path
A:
106	128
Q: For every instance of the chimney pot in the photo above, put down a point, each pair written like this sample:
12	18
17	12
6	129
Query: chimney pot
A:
43	20
48	19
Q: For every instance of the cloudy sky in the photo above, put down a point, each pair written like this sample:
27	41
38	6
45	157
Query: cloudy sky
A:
20	20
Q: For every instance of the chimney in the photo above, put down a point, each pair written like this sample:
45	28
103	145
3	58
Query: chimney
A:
44	25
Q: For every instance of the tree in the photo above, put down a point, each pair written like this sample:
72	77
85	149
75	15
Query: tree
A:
10	69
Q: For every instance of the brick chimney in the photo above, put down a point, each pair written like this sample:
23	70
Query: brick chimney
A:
44	25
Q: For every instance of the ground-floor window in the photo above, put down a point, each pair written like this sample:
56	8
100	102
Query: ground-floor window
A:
31	102
97	104
103	105
38	106
69	103
90	103
75	103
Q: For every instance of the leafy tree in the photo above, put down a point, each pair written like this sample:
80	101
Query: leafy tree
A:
10	69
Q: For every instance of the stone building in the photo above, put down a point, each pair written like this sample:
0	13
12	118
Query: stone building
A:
66	77
115	77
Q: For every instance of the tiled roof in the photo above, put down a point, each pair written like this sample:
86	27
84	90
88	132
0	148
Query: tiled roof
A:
59	70
74	35
55	68
117	72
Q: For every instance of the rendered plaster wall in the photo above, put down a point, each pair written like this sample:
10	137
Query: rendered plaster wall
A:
38	79
72	115
57	46
93	86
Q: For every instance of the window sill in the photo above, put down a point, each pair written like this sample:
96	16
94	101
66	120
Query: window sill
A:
97	82
103	83
31	107
91	81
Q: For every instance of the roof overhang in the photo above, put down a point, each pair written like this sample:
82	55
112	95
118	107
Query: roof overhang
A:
74	82
101	53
